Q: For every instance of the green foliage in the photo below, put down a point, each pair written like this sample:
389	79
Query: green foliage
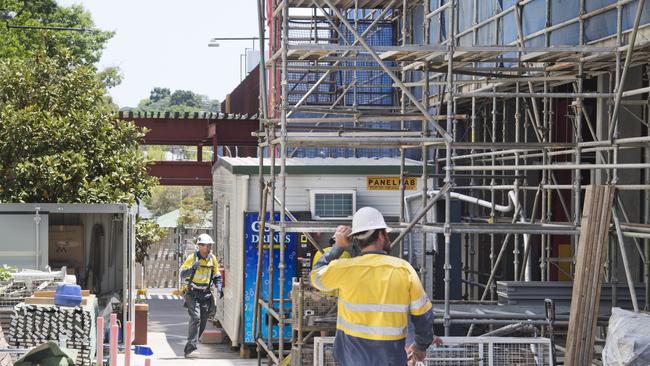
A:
85	47
5	272
147	232
159	93
165	199
195	212
163	100
59	141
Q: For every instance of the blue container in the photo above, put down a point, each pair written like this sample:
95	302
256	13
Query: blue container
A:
67	295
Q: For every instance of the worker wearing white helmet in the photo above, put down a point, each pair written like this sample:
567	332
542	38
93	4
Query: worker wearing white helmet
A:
200	272
377	294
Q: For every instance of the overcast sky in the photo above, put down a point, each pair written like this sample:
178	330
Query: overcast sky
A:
164	43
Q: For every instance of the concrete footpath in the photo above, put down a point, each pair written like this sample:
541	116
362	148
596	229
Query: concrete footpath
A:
168	333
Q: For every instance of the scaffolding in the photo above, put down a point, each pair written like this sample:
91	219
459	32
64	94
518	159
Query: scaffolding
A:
513	107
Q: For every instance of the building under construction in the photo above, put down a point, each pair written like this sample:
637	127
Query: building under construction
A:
514	109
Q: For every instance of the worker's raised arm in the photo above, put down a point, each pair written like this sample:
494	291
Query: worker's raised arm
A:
188	266
341	244
421	312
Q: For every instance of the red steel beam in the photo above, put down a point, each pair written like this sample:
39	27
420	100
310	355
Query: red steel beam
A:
234	132
173	131
194	132
182	173
191	131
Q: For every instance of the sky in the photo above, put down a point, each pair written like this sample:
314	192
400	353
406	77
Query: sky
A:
164	43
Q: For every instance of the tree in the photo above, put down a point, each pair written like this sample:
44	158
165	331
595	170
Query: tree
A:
147	232
165	199
85	47
159	93
59	140
195	212
164	100
185	97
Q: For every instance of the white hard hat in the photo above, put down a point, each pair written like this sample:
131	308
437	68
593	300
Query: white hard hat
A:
368	218
204	239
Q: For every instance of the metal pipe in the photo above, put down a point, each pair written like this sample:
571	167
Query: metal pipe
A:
626	66
448	165
552	167
257	329
283	181
626	263
504	244
526	270
534	95
421	214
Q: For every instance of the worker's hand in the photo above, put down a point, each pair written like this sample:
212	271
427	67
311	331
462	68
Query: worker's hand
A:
220	293
415	353
437	341
341	235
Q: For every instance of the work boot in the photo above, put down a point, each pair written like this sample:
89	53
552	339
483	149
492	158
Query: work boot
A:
191	351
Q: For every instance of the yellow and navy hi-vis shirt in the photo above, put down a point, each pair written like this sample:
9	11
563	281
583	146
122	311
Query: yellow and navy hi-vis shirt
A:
378	294
201	279
318	256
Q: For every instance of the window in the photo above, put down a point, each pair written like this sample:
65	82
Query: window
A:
333	205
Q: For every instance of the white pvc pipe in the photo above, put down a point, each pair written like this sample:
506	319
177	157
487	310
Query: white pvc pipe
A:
513	203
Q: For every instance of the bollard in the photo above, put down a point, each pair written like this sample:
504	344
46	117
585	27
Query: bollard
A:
127	343
113	346
113	319
100	341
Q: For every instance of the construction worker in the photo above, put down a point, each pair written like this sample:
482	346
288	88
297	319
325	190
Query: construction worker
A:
200	271
378	295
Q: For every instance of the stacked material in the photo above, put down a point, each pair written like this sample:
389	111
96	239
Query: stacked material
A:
589	270
33	325
534	293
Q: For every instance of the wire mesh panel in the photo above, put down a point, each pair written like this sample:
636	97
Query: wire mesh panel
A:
490	351
323	351
15	291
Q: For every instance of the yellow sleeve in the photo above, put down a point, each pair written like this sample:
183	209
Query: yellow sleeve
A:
419	303
327	278
188	262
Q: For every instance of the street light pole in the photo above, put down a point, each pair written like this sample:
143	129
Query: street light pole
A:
214	40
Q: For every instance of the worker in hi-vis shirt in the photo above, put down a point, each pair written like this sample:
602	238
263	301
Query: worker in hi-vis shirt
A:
200	272
377	296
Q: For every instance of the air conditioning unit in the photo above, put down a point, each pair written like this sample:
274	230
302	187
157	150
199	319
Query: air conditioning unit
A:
333	205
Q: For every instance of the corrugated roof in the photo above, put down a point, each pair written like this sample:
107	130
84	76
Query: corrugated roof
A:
322	166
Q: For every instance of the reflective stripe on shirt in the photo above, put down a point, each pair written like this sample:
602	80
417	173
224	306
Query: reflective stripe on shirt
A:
317	282
371	330
376	308
418	303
